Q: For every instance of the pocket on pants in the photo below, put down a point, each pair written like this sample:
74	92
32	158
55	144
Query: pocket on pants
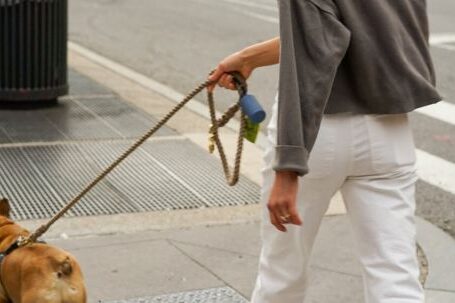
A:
391	142
322	157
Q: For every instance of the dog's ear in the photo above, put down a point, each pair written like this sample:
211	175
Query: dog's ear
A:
4	207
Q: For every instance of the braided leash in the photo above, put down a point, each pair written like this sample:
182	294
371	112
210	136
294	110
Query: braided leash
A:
231	178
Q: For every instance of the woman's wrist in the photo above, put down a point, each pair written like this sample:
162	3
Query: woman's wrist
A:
261	54
288	175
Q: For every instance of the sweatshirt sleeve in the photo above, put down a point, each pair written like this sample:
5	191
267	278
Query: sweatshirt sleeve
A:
313	43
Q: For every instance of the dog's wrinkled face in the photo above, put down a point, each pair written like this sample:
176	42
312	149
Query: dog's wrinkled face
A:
4	208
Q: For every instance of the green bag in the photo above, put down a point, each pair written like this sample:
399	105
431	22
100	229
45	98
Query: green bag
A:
251	130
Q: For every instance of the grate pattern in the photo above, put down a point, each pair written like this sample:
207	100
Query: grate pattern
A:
28	191
75	119
164	175
206	177
66	172
214	295
89	131
82	85
124	118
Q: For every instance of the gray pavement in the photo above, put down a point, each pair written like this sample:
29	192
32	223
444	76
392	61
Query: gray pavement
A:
207	254
169	261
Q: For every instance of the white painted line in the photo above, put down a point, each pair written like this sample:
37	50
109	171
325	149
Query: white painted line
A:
446	46
443	111
262	17
180	180
272	8
442	38
166	91
125	71
436	171
439	40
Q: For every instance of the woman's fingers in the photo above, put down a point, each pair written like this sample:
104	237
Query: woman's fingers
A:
215	77
226	81
275	220
283	213
221	77
217	73
222	82
294	215
282	203
288	214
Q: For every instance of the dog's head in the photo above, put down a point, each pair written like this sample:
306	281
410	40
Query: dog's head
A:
4	208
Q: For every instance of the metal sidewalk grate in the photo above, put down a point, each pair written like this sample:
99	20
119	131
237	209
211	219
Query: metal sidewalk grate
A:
74	119
83	85
163	175
70	142
214	295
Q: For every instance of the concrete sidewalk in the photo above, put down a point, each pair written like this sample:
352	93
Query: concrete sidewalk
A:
209	254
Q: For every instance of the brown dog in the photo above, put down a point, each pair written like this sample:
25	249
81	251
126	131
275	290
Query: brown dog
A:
37	273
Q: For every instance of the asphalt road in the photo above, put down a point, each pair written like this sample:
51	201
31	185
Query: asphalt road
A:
177	42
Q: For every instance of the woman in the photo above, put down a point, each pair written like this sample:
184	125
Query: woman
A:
349	73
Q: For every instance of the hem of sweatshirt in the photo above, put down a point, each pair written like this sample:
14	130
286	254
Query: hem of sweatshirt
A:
291	158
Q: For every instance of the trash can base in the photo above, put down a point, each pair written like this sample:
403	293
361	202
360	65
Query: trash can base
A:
33	49
33	95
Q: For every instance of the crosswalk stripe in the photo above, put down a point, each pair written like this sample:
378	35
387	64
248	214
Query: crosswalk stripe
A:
436	171
442	111
449	47
272	8
442	38
259	16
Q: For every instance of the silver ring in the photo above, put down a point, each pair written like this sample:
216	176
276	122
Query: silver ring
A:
285	218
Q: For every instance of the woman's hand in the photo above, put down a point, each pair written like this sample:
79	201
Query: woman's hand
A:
245	61
234	62
282	203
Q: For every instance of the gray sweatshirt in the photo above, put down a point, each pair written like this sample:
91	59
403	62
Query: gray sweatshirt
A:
358	56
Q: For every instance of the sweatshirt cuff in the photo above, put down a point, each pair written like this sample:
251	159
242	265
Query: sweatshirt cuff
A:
291	158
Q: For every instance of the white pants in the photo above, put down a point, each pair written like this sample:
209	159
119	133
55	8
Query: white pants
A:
371	159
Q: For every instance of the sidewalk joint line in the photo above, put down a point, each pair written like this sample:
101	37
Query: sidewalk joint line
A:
177	178
80	248
99	118
89	97
87	141
441	290
213	248
202	266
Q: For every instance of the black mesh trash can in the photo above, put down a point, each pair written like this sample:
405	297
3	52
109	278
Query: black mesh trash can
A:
33	49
